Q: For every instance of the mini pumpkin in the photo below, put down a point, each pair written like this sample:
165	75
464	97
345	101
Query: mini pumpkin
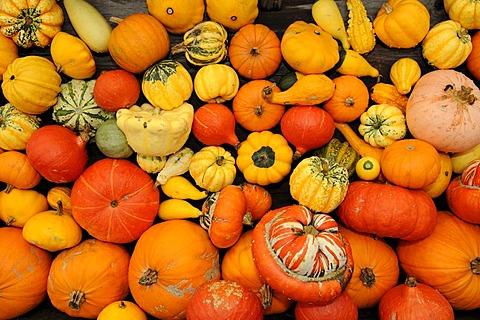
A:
17	206
17	170
216	83
467	13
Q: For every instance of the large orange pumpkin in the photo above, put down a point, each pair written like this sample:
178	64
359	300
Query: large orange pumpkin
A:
114	200
170	261
86	278
448	260
24	271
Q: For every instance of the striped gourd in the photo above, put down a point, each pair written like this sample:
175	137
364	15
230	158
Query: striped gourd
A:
16	127
206	43
77	109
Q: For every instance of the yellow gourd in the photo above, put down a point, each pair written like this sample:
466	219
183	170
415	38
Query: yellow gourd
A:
361	34
60	196
310	89
437	187
232	14
386	93
353	64
327	15
216	83
151	164
361	147
177	16
8	53
404	73
19	205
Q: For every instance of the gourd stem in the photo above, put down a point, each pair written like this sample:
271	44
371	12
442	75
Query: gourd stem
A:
122	305
76	300
8	188
411	282
349	102
248	219
220	161
59	210
148	278
10	220
388	8
116	20
178	48
367	277
463	96
309	229
266	295
475	265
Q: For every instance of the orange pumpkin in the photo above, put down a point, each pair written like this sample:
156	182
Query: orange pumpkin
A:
170	261
350	99
254	51
448	260
17	170
376	268
341	308
252	111
138	41
86	278
8	53
24	270
259	200
410	163
473	60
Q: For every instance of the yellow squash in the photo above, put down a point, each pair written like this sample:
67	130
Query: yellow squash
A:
361	34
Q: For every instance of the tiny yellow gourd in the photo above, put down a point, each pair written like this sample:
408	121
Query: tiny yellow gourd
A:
404	73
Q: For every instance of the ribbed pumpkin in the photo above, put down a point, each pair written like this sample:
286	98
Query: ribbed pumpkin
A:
32	97
167	84
318	184
8	52
465	12
216	83
138	41
86	278
448	260
169	262
177	16
31	24
24	271
16	127
17	170
114	200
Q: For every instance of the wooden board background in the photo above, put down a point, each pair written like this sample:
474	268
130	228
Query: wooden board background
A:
381	57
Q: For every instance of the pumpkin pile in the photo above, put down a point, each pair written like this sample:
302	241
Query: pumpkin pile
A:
151	188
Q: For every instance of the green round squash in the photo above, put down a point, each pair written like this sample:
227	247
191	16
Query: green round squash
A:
111	141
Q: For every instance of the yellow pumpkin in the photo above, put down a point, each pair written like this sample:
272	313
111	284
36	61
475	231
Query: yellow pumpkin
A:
212	168
16	127
264	158
402	23
467	13
19	205
232	14
32	97
308	49
8	52
177	16
72	56
122	310
31	23
447	45
216	83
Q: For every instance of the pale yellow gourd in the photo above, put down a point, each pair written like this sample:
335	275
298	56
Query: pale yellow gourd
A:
404	73
151	164
354	64
327	15
361	34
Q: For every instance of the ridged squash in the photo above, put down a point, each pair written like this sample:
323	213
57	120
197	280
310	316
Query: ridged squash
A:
16	127
361	34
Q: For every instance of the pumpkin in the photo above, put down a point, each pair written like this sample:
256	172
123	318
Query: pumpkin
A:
16	127
375	269
111	141
114	200
116	89
216	83
350	99
404	73
382	124
123	309
17	206
416	298
446	45
387	210
462	194
448	260
52	230
318	184
203	44
32	97
341	152
72	56
309	49
212	168
167	84
445	101
473	58
402	23
65	157
82	281
306	128
58	197
138	41
77	110
224	299
465	13
387	93
238	265
168	264
17	170
31	24
232	14
360	31
252	111
214	124
176	16
152	131
264	158
254	51
440	184
24	271
259	200
341	308
312	275
8	52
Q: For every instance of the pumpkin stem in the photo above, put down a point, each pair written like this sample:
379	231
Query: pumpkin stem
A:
266	296
349	102
388	8
10	220
475	265
411	282
122	305
76	299
148	278
367	277
8	188
255	51
59	211
309	229
220	161
463	96
248	219
116	20
178	48
258	110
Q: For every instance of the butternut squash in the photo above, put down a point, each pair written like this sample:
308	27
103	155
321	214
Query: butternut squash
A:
358	144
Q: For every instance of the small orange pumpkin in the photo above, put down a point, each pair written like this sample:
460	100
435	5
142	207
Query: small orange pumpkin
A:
259	200
17	170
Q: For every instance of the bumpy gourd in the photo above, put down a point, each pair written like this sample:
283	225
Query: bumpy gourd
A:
360	29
